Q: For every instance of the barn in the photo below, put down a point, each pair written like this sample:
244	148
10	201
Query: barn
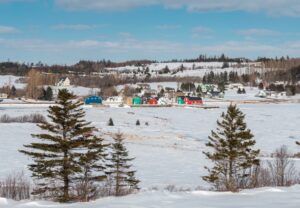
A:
93	100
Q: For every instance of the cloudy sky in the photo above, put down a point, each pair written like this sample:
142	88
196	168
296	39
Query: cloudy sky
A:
66	31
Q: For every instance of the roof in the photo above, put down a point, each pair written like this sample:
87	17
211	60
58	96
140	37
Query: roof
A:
194	98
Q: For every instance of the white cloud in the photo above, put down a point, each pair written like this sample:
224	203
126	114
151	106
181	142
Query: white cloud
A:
258	32
7	29
271	7
74	27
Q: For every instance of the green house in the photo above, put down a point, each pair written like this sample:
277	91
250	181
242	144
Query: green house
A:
180	100
136	101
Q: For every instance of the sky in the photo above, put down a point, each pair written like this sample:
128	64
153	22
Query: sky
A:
67	31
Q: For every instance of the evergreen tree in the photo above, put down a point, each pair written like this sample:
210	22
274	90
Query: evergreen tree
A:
110	122
93	164
13	91
225	65
56	158
123	178
138	123
42	94
232	154
49	94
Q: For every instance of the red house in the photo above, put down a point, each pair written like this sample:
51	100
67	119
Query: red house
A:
193	100
152	101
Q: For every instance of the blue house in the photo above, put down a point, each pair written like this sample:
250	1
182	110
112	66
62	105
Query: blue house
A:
93	100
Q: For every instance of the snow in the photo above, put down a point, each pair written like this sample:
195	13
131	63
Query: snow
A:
257	198
168	152
10	80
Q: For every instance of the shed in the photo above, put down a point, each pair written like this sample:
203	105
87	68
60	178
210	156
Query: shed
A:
93	100
136	101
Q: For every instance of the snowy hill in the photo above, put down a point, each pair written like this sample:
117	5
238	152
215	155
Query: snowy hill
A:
182	69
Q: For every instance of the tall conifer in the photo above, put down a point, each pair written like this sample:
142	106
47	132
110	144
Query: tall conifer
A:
123	178
232	152
56	157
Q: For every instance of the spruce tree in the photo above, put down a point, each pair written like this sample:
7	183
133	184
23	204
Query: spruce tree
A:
110	122
56	157
93	164
123	178
233	155
49	94
13	91
137	123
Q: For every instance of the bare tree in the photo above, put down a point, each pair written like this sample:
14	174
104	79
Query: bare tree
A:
282	168
34	81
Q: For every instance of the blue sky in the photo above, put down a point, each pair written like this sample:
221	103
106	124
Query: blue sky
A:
66	31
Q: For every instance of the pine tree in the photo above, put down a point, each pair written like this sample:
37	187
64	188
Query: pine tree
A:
232	154
93	163
56	158
123	178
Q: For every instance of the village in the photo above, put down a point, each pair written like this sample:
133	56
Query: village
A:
173	94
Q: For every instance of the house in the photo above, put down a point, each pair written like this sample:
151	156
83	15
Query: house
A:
136	101
152	101
113	101
93	100
144	86
193	100
189	100
3	96
164	101
64	82
180	100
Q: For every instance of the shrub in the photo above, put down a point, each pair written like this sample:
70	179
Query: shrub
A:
32	118
15	186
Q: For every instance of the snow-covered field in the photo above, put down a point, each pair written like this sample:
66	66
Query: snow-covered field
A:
8	80
169	152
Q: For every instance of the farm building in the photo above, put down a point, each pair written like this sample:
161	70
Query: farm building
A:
93	100
136	101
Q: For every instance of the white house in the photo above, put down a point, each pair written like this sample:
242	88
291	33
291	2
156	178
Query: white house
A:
3	96
64	82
